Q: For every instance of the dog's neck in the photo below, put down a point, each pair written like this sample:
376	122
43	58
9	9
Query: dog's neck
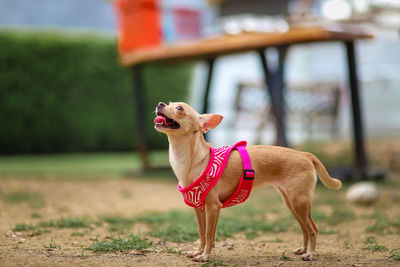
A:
189	156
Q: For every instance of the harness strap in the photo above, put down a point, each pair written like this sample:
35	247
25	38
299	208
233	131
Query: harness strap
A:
246	181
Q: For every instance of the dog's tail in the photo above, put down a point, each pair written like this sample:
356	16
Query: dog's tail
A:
323	175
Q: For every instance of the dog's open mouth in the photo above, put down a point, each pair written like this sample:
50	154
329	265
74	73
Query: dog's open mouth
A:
163	121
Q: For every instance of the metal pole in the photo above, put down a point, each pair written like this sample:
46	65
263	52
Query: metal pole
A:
275	84
139	102
361	157
210	63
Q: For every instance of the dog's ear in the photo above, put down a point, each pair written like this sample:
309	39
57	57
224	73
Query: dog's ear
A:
209	121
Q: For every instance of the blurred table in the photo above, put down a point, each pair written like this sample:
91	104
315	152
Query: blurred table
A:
209	49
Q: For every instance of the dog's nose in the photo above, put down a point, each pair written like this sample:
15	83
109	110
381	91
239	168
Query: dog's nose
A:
161	105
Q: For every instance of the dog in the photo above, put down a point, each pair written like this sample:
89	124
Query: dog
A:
293	173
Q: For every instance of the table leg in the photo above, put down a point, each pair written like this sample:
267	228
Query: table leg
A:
275	85
210	63
140	104
361	157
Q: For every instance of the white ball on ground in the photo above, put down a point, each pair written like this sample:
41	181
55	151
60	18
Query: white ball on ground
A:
363	193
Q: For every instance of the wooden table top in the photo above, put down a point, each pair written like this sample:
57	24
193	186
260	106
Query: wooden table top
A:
230	44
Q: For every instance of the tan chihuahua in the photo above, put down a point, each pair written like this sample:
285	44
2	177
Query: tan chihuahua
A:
292	173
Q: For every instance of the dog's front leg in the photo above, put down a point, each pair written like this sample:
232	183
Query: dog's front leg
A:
212	214
201	226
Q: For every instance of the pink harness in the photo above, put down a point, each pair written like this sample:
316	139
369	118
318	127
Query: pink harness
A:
195	194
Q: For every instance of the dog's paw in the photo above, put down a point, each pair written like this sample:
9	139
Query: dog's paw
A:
201	258
192	254
300	251
310	256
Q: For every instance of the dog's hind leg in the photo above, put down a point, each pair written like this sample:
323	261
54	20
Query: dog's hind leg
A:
313	238
303	249
300	197
303	209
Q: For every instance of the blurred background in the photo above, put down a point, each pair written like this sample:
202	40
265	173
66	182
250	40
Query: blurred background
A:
69	129
63	90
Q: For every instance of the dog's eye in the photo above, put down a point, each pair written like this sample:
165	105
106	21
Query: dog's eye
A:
180	108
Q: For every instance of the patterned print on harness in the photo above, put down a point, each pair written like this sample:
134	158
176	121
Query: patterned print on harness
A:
195	194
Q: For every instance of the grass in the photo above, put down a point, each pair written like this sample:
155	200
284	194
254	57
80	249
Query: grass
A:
327	231
340	215
39	232
213	262
176	233
178	226
118	223
79	233
74	222
318	215
51	245
62	223
283	257
174	216
35	215
383	225
371	244
132	242
328	197
394	254
173	226
34	199
174	251
347	245
84	165
252	221
21	227
35	230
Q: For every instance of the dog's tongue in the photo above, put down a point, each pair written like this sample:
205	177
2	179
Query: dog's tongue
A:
160	119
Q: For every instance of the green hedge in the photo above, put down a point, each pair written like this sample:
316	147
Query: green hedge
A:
67	93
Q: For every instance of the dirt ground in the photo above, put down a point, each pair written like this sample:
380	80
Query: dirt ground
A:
132	197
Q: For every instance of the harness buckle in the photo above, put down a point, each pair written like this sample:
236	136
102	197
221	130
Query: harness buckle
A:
248	174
